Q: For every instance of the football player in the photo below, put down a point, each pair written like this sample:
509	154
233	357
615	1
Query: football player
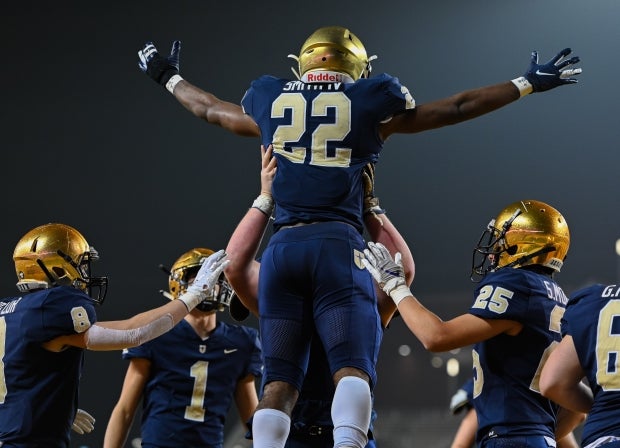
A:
311	419
188	377
514	322
465	435
589	349
325	127
46	328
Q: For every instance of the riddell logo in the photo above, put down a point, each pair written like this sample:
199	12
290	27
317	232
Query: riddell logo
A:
324	77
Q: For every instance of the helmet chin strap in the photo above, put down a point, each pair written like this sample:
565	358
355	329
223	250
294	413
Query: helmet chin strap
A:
523	259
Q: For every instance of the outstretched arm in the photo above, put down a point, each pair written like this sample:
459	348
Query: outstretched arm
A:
435	334
120	334
472	103
204	105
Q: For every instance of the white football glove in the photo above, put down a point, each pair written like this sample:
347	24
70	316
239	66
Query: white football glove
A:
83	423
387	272
207	277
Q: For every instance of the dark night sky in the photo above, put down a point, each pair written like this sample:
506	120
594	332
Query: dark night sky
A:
90	141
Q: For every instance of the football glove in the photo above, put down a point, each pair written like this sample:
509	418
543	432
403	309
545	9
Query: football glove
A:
205	280
371	202
158	68
459	402
553	73
83	423
387	272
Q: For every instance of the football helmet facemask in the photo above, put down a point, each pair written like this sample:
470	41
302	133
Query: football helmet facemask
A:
57	254
524	233
333	48
184	270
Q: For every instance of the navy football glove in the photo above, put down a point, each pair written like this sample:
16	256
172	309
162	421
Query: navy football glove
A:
553	73
158	68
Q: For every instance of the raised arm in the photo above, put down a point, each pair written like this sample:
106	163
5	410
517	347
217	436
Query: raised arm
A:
204	105
472	103
381	230
242	272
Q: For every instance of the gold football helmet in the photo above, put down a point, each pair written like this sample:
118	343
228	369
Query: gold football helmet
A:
334	48
183	272
524	233
53	255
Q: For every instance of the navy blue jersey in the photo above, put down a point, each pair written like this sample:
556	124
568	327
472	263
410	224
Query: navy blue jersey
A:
39	391
322	134
192	382
593	320
507	368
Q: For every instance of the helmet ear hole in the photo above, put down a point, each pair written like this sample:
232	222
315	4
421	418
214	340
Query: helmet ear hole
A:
60	272
512	249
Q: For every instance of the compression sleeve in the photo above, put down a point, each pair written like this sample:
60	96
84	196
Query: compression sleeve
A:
101	338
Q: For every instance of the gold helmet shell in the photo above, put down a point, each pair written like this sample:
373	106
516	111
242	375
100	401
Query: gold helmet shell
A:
183	272
334	48
527	232
56	254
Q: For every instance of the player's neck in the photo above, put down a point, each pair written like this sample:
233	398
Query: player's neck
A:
202	323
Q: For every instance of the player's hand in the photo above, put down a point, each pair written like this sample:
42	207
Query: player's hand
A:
209	272
387	272
554	73
206	278
268	169
158	68
459	401
371	202
83	423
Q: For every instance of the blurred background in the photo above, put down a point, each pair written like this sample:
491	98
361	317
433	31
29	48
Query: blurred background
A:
89	140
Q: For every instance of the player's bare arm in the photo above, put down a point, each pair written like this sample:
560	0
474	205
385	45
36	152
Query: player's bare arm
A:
452	110
381	230
243	245
204	105
124	412
434	333
470	104
246	398
120	334
560	379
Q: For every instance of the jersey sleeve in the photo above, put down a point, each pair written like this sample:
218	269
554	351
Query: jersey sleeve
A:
141	351
63	311
501	296
401	96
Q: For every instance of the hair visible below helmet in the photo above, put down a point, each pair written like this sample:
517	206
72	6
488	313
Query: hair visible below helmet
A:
524	233
53	255
337	49
183	272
